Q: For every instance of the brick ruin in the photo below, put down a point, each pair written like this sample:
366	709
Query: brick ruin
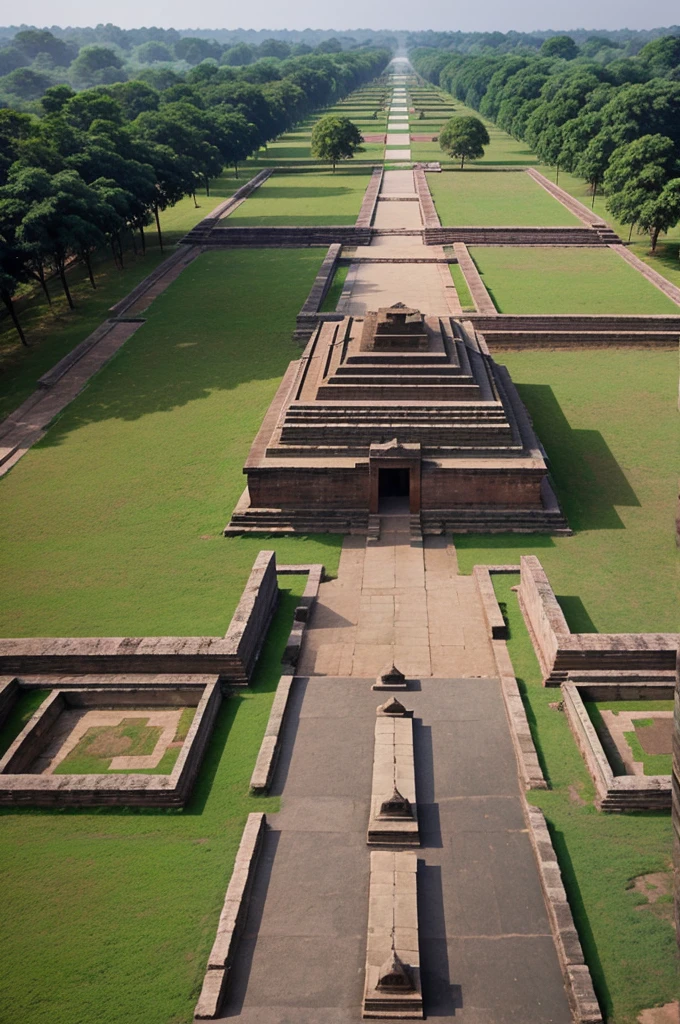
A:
397	408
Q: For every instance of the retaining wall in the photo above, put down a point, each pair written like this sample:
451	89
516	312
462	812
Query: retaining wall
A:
559	651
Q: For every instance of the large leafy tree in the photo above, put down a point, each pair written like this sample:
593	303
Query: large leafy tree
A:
464	137
643	185
335	138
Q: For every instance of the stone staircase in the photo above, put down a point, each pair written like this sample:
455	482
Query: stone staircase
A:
513	236
297	520
494	520
473	425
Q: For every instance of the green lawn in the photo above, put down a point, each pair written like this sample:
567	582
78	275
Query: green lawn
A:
462	290
52	334
330	303
570	279
111	525
319	198
609	423
490	199
629	943
109	915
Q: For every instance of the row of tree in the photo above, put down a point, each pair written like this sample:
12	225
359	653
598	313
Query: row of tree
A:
35	59
615	125
101	164
627	41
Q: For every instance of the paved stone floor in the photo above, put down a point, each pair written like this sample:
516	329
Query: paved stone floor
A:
486	951
394	602
425	286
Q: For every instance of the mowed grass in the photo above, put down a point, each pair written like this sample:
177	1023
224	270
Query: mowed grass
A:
609	423
566	280
52	333
486	198
629	943
304	199
112	524
109	915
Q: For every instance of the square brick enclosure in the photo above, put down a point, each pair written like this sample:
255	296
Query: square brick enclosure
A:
26	769
396	409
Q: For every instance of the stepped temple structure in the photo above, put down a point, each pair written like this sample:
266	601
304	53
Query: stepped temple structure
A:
397	409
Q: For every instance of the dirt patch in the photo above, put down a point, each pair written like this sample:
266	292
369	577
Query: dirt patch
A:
657	736
108	744
668	1014
657	889
576	797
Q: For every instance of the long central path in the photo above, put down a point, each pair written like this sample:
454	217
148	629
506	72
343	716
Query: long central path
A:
486	950
427	286
487	955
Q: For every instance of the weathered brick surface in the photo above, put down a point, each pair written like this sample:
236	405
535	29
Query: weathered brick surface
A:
577	977
613	792
560	651
233	656
173	790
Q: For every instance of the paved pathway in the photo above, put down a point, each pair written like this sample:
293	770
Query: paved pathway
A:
394	602
425	286
486	951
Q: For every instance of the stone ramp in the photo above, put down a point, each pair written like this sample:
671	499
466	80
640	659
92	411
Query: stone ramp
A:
487	954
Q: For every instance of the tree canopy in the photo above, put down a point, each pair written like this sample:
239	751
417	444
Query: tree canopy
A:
464	137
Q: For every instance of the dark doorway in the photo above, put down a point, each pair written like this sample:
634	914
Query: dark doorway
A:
394	483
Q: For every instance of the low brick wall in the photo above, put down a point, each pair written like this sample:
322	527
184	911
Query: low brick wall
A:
482	235
274	237
233	656
428	210
614	793
232	919
322	283
578	981
559	651
370	200
18	789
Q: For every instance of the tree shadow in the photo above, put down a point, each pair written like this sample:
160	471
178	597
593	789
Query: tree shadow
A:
201	337
589	481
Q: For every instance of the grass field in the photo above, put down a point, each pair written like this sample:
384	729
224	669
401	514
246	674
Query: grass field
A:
486	199
608	420
304	199
566	280
629	943
462	290
109	916
111	525
53	333
330	303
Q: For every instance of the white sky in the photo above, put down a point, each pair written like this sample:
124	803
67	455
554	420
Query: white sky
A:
447	15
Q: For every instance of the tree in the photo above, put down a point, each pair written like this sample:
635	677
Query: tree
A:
335	138
11	275
560	46
26	84
96	65
239	55
153	52
642	183
55	98
464	137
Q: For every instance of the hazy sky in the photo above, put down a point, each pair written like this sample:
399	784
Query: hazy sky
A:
398	14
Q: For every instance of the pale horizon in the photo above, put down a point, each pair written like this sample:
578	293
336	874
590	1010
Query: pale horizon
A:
378	15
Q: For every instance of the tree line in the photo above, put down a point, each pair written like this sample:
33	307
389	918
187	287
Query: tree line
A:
98	166
615	124
32	60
